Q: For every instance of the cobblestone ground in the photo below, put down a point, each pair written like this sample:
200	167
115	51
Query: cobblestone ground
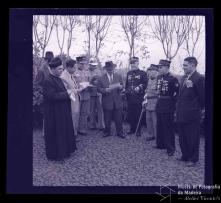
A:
113	161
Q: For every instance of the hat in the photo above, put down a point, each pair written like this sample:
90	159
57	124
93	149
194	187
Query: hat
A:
80	59
164	63
153	67
93	62
134	59
70	63
49	55
109	64
55	62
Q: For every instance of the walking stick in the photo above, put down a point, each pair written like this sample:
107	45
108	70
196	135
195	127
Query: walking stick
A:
138	124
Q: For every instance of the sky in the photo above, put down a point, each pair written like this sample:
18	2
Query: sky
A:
115	41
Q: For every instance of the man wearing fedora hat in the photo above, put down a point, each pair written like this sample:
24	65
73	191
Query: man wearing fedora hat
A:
110	85
168	89
44	70
136	83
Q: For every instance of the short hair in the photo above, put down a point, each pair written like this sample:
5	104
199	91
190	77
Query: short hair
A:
70	63
191	60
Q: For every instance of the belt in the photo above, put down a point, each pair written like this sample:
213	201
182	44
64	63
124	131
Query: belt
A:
164	97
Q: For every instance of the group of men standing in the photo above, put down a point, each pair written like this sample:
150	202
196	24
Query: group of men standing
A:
94	98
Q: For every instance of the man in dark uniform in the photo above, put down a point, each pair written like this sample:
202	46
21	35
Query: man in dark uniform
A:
190	103
136	83
168	88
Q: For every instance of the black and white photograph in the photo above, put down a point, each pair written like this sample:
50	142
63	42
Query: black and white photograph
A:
119	100
111	101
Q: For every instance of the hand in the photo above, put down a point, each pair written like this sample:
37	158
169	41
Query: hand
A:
120	86
108	90
137	89
144	104
69	91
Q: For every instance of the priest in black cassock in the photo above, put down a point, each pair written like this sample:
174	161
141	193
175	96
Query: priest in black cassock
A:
58	125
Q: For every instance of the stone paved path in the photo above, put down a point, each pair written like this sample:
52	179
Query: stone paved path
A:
113	161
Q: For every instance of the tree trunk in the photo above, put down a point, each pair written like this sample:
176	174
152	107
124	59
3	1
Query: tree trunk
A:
89	43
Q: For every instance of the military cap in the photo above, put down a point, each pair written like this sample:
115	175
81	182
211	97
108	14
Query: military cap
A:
164	63
55	62
153	67
93	62
134	59
70	63
80	59
109	65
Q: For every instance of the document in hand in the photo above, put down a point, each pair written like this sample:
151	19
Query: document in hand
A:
85	85
114	86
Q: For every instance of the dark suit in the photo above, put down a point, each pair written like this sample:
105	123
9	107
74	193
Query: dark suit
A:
189	105
112	103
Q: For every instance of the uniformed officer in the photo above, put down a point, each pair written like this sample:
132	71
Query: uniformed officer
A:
168	88
136	83
82	76
96	111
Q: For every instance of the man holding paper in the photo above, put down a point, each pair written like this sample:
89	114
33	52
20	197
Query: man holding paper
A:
110	85
69	81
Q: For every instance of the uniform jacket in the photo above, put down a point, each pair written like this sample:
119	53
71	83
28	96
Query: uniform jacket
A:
168	89
191	99
135	78
151	95
83	76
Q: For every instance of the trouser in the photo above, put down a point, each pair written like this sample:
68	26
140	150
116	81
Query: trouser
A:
151	122
75	109
189	139
165	131
83	117
134	111
96	113
116	115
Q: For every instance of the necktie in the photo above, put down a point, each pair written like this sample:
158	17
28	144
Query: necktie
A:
73	79
185	79
111	79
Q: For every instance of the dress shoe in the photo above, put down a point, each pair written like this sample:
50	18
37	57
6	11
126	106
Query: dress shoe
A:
170	153
156	147
191	164
150	138
77	140
121	136
106	135
101	129
130	132
138	134
182	159
82	133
